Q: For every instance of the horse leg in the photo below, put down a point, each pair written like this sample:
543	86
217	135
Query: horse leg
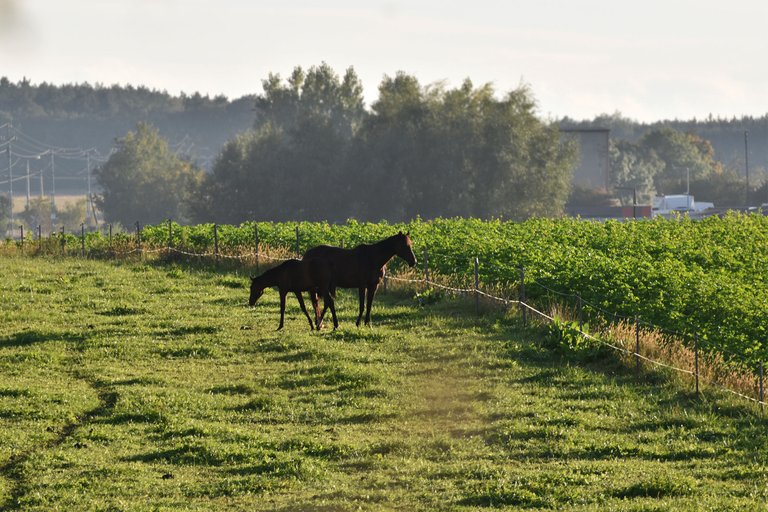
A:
361	296
304	308
315	297
371	293
282	309
329	300
332	291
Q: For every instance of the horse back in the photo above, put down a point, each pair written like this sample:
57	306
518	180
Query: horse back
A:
351	268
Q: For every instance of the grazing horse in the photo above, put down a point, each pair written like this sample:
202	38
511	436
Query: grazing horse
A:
362	267
298	276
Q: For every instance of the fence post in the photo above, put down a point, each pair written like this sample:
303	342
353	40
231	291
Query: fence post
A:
22	239
82	240
110	238
581	314
62	241
521	294
216	243
477	286
170	236
426	266
138	235
637	346
40	238
762	395
696	361
256	239
298	251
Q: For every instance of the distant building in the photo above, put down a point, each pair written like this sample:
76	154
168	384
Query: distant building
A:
593	170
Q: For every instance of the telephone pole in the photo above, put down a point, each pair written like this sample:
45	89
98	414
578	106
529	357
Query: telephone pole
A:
10	177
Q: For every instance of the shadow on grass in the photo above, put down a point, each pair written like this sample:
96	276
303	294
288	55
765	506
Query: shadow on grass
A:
32	337
188	455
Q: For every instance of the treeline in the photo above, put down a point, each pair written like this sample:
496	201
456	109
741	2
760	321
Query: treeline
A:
725	135
316	153
93	116
309	148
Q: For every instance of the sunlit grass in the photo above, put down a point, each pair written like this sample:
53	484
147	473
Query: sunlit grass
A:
143	386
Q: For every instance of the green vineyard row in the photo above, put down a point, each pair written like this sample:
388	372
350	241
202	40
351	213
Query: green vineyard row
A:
704	278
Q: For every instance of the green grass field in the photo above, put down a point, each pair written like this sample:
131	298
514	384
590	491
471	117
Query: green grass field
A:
141	386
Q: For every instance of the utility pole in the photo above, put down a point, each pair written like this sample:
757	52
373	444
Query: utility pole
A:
53	188
10	175
27	183
88	207
746	163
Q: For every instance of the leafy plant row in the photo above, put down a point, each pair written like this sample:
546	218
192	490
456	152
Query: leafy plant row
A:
704	277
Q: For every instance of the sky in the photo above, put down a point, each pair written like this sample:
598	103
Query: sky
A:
649	60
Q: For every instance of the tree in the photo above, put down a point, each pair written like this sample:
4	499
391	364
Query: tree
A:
435	152
684	156
248	181
315	154
144	181
632	167
294	163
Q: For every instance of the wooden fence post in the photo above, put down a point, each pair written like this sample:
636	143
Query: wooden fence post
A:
62	241
256	239
637	346
581	314
521	295
110	238
696	361
40	238
170	236
477	286
216	243
298	251
138	236
82	240
762	395
22	239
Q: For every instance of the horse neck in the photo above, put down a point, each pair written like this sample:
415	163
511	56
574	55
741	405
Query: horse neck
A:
385	250
269	278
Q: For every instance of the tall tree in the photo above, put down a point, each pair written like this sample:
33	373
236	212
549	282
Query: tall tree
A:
296	158
683	156
143	180
633	167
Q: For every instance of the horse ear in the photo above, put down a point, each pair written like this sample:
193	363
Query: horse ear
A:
400	233
408	234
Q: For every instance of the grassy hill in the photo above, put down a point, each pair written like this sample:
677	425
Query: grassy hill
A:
135	386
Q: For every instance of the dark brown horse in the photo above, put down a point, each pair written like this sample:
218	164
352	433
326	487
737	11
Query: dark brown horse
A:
298	276
362	267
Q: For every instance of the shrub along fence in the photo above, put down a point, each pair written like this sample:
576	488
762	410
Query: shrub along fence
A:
567	315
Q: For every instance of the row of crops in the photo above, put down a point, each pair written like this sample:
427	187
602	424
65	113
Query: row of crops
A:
705	277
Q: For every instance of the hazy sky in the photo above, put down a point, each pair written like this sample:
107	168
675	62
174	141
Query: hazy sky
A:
650	60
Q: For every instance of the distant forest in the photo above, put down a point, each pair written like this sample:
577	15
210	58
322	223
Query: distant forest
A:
202	129
94	116
725	135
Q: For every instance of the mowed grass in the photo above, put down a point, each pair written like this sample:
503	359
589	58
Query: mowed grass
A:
140	386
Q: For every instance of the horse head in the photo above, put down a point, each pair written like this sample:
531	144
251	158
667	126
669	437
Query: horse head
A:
405	248
256	291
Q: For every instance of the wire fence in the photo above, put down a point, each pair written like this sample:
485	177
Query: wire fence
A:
721	376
